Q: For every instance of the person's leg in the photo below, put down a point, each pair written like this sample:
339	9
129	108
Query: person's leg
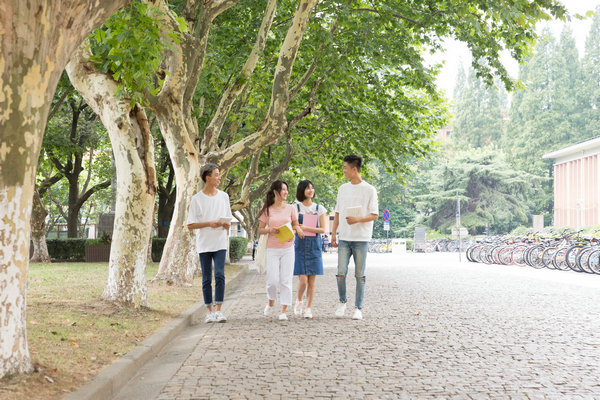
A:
272	275
302	281
286	278
344	253
310	292
206	266
219	261
359	252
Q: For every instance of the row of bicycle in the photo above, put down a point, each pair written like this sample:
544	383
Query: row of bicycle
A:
567	252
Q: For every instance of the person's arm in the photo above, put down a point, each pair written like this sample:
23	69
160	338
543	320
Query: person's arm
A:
295	225
366	218
264	231
200	225
336	222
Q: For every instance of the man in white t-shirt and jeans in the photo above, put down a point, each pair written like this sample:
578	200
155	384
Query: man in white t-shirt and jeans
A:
355	210
209	209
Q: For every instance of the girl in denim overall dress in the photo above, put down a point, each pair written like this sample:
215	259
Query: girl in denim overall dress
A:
308	261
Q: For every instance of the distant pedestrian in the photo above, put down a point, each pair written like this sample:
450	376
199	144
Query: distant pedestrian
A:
325	243
207	208
355	211
308	250
254	246
280	255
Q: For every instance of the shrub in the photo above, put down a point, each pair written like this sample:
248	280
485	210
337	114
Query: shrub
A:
237	247
158	244
67	249
409	244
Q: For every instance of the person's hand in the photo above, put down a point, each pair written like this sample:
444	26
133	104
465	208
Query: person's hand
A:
226	225
273	230
215	224
300	232
352	220
334	241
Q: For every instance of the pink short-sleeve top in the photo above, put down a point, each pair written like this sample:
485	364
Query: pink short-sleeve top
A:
277	218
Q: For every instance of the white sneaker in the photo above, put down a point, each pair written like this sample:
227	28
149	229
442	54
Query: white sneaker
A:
268	310
283	317
340	310
219	317
357	314
298	308
210	317
308	313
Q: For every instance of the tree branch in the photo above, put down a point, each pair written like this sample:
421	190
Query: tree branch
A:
212	131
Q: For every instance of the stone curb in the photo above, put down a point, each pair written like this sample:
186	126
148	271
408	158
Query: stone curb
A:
112	378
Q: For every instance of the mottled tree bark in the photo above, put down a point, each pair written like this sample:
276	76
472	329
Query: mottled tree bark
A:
173	105
37	40
133	150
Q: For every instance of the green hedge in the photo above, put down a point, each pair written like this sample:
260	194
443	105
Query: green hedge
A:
237	247
158	244
74	249
66	249
409	244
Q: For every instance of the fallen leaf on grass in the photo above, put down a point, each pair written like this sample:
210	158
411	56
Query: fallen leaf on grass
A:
48	379
74	344
127	335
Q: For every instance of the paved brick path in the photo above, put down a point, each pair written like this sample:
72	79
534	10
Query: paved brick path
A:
433	328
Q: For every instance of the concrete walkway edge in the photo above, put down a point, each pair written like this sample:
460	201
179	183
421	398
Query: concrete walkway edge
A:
112	378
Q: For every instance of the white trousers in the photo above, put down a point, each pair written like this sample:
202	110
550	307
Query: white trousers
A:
280	271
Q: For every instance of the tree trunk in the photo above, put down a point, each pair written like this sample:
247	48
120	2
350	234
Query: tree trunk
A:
133	150
179	259
38	230
37	40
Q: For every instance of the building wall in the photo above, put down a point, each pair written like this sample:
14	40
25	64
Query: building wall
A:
576	192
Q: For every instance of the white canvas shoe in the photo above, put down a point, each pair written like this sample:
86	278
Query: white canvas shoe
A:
308	313
357	314
340	310
268	310
219	317
210	317
283	317
298	308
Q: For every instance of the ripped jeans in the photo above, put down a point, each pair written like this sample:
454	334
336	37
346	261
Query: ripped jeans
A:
358	251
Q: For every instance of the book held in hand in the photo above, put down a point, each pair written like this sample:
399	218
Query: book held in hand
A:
285	233
354	211
225	220
310	221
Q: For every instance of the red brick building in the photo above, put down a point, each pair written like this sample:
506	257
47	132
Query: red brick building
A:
576	184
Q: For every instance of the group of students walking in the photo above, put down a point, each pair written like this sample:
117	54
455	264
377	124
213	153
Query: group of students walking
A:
301	255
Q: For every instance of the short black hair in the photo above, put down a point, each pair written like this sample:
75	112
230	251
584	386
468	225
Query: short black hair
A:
354	161
207	170
301	188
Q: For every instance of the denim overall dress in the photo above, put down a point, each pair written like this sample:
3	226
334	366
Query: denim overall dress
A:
308	252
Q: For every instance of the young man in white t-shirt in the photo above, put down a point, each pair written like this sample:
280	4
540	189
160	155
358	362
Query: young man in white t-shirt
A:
355	210
209	209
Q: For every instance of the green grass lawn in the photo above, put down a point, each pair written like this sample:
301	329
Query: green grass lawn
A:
73	334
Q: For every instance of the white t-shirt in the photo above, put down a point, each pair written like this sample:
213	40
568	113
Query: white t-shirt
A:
312	210
349	195
205	208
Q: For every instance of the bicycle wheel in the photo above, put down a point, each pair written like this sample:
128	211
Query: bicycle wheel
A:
582	259
547	256
571	256
593	263
533	256
518	254
505	255
559	259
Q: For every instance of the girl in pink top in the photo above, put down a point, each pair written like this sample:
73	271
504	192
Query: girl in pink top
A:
280	256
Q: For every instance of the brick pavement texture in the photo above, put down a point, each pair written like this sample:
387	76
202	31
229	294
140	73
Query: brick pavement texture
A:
432	329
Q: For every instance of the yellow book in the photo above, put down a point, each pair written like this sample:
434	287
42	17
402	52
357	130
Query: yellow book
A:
285	233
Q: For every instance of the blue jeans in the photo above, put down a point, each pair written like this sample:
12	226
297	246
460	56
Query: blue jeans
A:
206	262
358	251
